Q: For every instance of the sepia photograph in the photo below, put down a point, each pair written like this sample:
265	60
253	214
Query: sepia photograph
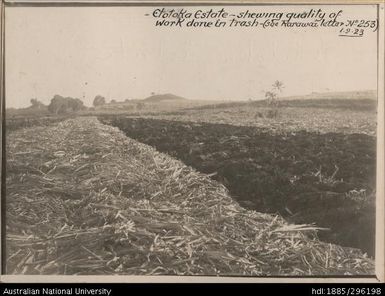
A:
222	140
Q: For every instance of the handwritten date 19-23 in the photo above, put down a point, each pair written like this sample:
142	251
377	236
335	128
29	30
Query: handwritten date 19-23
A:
354	32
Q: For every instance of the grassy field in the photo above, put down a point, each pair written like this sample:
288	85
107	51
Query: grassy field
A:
82	198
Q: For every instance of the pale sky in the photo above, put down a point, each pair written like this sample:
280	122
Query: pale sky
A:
117	52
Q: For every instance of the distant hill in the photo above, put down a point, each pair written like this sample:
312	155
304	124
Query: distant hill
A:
360	95
164	97
349	100
353	100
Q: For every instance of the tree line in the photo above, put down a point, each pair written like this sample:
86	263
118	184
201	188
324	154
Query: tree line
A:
65	105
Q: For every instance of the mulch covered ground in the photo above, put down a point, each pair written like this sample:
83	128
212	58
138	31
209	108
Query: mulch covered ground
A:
82	198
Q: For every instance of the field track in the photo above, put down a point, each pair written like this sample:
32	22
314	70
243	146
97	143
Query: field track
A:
82	198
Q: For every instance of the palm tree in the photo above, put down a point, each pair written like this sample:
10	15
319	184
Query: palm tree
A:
278	85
